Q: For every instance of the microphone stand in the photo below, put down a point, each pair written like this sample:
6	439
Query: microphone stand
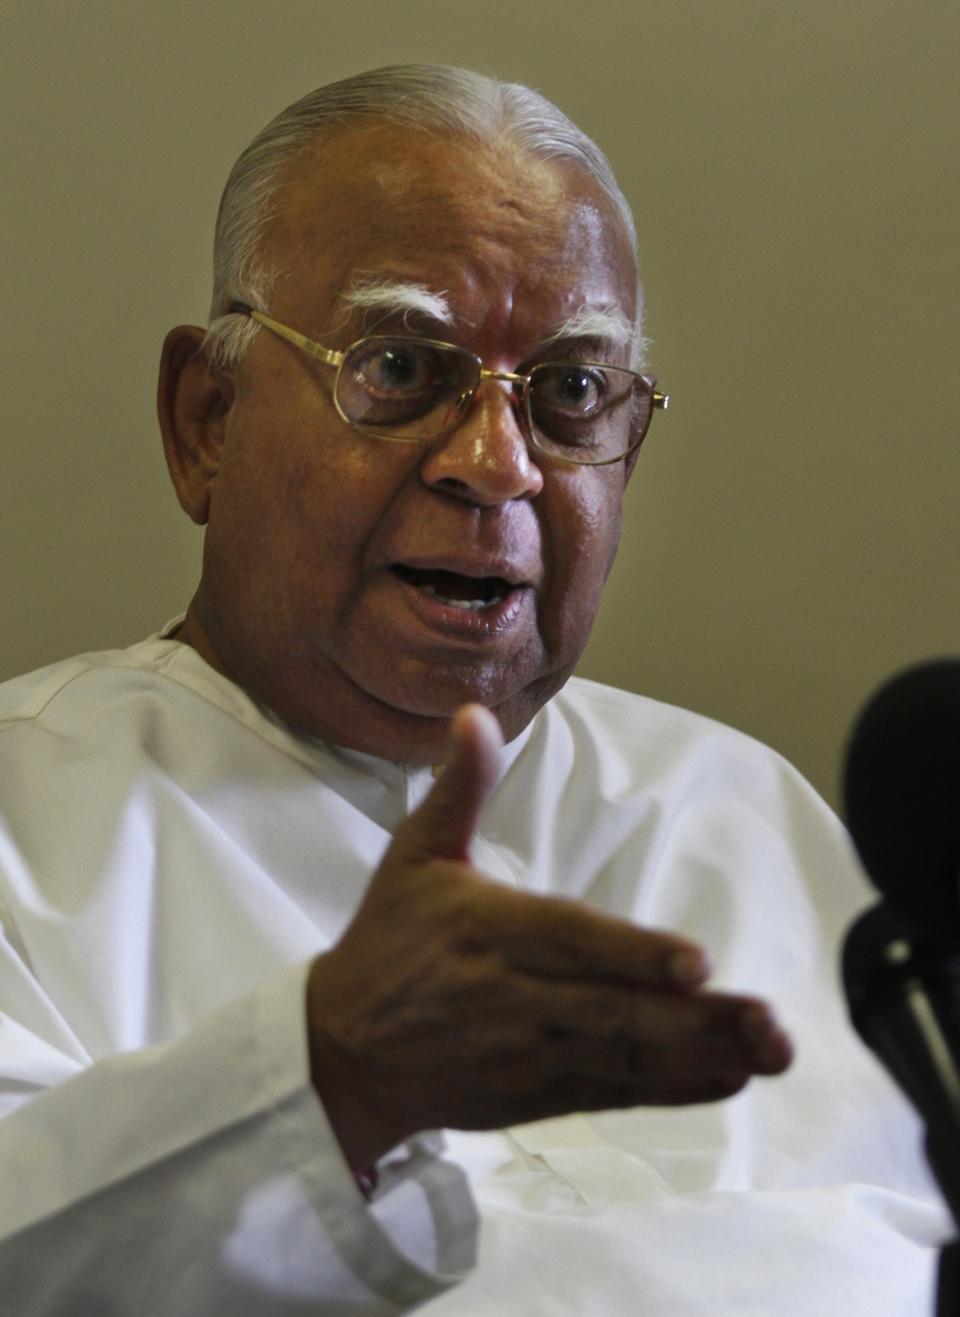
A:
903	988
948	1280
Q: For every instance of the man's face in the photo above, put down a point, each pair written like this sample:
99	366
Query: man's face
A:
320	591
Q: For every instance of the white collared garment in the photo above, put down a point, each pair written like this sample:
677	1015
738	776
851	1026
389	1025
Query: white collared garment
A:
172	857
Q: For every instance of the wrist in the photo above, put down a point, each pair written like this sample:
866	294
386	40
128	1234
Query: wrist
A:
341	1080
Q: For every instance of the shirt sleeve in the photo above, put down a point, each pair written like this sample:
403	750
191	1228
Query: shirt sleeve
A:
201	1176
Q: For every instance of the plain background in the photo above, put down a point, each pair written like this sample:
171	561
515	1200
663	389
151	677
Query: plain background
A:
791	532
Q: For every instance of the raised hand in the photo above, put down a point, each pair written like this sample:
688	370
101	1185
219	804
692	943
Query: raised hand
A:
452	1000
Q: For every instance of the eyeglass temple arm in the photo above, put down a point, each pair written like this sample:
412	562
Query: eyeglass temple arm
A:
307	345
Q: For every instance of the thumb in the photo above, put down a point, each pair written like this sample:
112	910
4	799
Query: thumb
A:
444	824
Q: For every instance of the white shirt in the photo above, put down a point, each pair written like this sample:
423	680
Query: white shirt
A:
172	857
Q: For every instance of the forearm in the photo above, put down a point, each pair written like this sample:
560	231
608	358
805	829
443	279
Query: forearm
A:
203	1176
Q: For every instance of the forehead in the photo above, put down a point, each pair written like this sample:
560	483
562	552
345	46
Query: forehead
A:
488	225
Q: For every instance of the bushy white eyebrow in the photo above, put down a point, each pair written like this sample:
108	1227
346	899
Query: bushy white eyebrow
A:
382	297
610	325
394	297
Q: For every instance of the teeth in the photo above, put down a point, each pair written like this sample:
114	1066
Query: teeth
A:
471	605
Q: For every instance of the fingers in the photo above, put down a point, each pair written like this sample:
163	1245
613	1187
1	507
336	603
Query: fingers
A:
616	1047
664	1041
553	1048
556	937
444	824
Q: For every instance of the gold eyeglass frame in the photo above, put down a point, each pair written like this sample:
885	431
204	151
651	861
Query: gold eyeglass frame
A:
331	357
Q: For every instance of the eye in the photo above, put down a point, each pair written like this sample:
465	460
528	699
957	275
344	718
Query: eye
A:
584	406
395	369
569	389
406	384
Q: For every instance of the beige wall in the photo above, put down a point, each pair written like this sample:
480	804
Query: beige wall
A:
791	531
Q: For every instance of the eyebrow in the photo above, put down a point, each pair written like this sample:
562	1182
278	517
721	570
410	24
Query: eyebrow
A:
395	297
607	324
381	298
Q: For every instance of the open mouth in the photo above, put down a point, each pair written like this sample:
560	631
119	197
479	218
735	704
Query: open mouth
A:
470	593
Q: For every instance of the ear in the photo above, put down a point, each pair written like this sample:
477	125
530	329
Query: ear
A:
193	403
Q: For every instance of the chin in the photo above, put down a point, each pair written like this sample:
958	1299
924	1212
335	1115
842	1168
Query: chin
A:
421	716
438	690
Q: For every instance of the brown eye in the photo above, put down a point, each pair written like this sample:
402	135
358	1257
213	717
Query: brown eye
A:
397	370
583	408
570	390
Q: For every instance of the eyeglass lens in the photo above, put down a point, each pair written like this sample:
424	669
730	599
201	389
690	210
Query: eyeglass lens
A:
587	412
413	389
407	388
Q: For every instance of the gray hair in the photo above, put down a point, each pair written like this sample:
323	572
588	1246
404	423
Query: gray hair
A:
429	97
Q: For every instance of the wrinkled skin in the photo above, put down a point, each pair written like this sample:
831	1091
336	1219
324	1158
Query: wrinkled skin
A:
306	516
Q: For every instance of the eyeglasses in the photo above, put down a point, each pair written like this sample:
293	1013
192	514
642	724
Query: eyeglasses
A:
417	389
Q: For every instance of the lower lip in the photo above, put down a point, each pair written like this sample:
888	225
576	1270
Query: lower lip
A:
466	623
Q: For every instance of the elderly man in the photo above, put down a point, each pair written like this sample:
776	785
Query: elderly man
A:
260	947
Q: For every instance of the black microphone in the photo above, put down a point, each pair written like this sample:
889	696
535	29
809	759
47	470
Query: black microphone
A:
902	795
901	959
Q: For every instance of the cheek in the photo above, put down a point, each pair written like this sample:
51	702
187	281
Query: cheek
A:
584	517
296	498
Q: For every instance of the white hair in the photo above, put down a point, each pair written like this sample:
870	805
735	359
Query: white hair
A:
429	97
606	323
389	296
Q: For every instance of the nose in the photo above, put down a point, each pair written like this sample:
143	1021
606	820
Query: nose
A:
485	458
